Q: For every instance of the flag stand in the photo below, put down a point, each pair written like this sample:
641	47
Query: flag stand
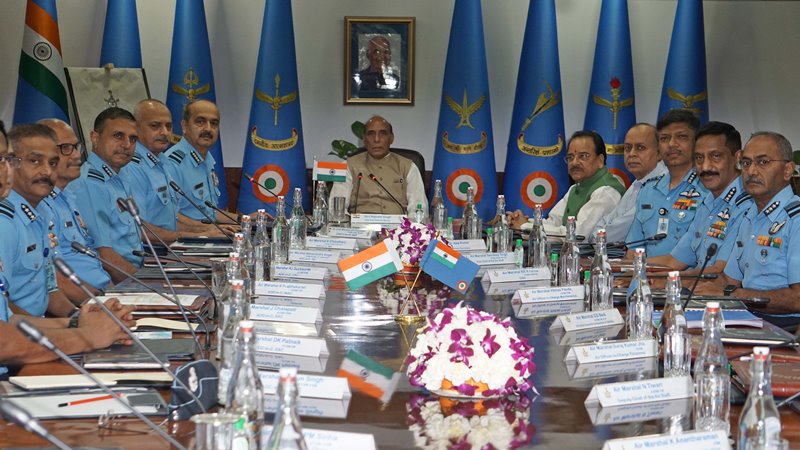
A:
409	319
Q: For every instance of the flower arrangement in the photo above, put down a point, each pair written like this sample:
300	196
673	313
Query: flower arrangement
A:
430	300
411	239
484	424
466	352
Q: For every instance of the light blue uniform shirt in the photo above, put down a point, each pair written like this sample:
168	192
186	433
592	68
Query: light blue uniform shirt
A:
713	222
25	246
5	312
660	209
195	176
96	192
146	178
767	251
70	227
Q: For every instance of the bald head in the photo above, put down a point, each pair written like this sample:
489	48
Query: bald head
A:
379	54
378	136
153	124
641	150
69	155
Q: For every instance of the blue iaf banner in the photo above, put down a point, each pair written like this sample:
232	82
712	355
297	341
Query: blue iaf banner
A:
535	168
610	109
191	75
685	84
121	45
464	155
274	153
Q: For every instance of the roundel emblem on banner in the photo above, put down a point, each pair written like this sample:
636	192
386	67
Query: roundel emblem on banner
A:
273	177
462	285
541	188
459	181
620	175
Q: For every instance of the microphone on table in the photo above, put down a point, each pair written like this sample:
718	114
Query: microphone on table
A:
375	179
33	333
354	208
215	208
271	192
211	220
623	244
710	252
80	248
13	413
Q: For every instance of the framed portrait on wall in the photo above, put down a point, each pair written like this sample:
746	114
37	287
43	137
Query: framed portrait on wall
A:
379	60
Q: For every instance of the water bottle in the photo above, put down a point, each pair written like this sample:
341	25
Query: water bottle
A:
280	234
674	332
759	421
569	261
470	225
297	222
490	240
587	290
287	430
602	279
228	341
553	269
449	230
712	382
537	243
419	214
245	396
640	302
438	210
320	209
502	232
519	254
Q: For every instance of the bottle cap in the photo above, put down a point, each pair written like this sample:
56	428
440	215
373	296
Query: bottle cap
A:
712	306
519	241
639	251
449	220
288	373
489	230
419	205
238	236
234	256
237	284
554	256
601	232
760	353
674	275
245	218
246	326
586	274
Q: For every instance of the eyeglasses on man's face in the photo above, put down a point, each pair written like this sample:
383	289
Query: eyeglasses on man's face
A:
760	163
66	149
11	160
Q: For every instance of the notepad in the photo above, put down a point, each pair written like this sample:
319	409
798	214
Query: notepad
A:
39	382
146	401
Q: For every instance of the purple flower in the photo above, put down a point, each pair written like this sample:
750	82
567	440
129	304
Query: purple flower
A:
466	389
489	345
460	348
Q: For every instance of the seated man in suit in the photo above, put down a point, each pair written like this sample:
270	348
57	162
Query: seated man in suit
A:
595	193
396	179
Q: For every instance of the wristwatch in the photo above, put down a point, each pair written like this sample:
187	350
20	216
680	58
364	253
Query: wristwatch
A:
728	290
74	317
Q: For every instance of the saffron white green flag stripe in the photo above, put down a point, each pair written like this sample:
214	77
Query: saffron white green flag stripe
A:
445	255
41	89
366	375
376	262
335	172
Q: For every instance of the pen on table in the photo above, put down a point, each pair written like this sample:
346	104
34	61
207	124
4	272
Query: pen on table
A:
86	400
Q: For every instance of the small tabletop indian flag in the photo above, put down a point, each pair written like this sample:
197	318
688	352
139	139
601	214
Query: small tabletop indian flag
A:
369	376
330	171
448	266
374	263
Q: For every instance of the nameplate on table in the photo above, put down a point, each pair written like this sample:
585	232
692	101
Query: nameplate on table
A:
613	351
540	309
317	439
282	289
565	338
316	386
314	256
288	328
311	406
588	319
318	303
331	243
299	272
523	274
640	412
548	294
280	313
291	345
509	288
640	391
352	233
468	245
275	361
611	368
487	259
375	219
692	440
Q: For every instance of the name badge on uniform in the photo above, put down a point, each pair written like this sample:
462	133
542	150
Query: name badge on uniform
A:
663	225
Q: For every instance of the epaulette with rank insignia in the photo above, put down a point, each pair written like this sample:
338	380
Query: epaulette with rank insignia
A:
177	156
793	208
692	177
95	174
152	158
53	194
772	207
7	209
730	194
656	179
136	159
743	197
197	159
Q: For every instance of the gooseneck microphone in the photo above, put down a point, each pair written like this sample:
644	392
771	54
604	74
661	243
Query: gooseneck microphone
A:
180	192
375	179
623	244
33	333
13	413
710	252
67	271
354	208
215	208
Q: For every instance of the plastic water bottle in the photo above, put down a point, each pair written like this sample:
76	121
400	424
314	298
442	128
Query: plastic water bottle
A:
519	254
640	302
490	240
280	234
245	396
287	430
712	382
759	421
297	222
419	214
587	290
602	279
228	342
438	210
553	269
537	243
569	264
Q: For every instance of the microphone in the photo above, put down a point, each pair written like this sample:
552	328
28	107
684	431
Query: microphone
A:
354	208
623	244
13	413
214	207
36	336
375	179
710	252
211	220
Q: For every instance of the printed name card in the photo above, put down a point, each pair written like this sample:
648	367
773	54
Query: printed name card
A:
379	219
612	368
331	243
301	363
280	313
527	310
352	233
641	391
468	245
548	294
640	412
589	319
524	274
565	338
316	386
314	256
291	345
708	440
333	440
312	407
317	303
281	289
509	288
613	351
492	259
299	272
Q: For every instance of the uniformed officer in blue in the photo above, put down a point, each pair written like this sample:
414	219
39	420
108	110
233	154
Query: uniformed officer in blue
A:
716	154
98	189
69	225
667	204
765	261
190	164
26	227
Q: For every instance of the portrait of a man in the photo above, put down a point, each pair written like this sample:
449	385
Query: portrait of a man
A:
379	74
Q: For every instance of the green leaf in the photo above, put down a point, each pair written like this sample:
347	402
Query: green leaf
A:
358	129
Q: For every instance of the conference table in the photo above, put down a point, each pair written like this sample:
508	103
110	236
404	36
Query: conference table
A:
364	320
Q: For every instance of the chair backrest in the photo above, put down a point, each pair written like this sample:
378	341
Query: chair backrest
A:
415	157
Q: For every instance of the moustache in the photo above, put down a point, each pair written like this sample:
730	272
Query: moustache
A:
753	180
163	139
708	173
206	134
45	180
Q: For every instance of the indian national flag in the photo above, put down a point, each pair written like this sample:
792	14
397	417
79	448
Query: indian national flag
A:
330	171
371	264
368	376
445	255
